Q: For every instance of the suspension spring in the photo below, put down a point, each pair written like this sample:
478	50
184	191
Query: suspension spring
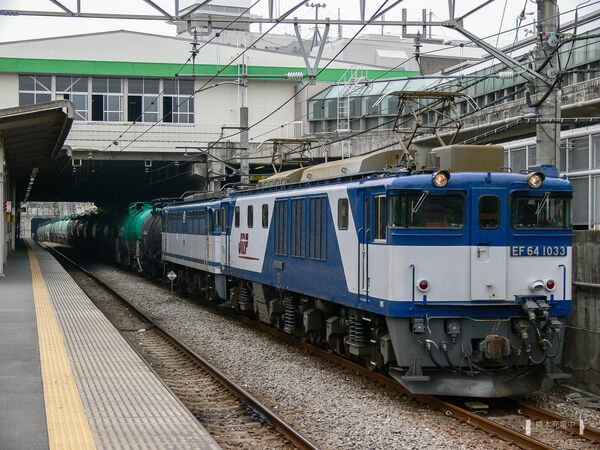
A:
244	300
289	315
358	329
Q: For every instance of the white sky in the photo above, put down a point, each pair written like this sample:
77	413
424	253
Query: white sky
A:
483	23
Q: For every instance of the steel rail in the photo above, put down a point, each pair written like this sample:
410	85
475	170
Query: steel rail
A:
295	436
589	433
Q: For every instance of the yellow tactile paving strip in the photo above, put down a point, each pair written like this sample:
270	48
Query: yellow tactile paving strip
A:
125	404
67	424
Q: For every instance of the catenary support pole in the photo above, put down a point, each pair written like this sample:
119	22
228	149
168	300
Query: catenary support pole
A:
546	142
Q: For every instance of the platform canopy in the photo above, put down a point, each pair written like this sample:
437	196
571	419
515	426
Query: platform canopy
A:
33	138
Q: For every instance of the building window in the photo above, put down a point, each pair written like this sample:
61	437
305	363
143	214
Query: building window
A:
317	228
280	227
107	99
580	201
76	90
250	216
265	215
579	154
142	99
34	89
178	101
298	228
343	214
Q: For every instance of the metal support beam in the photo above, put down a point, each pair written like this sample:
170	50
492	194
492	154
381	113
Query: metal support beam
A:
63	7
524	71
194	9
159	9
311	71
219	20
362	10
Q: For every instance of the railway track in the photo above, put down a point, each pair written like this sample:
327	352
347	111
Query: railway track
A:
588	438
505	420
233	416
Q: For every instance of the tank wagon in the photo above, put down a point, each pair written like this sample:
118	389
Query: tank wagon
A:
455	282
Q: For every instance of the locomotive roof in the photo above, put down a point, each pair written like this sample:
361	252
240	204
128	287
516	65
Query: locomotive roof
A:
400	180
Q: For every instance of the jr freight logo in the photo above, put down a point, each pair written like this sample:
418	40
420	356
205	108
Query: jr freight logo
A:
243	246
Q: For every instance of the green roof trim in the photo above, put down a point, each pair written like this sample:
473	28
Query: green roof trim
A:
142	69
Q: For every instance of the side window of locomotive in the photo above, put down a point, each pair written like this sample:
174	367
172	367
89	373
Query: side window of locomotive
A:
217	218
237	216
265	215
250	216
223	218
380	222
343	214
489	212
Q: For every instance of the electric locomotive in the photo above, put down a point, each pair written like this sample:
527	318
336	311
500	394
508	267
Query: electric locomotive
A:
457	283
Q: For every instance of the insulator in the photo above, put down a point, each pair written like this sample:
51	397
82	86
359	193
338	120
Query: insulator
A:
506	74
289	315
295	76
358	329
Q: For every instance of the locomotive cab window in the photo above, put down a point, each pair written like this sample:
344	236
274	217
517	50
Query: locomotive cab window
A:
237	216
421	209
265	215
380	222
250	216
343	214
550	211
489	212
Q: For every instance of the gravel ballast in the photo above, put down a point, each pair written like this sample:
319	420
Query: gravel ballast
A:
333	406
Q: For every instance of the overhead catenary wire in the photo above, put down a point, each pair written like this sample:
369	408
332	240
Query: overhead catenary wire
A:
348	137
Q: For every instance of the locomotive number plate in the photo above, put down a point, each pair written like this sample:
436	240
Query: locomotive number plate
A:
538	250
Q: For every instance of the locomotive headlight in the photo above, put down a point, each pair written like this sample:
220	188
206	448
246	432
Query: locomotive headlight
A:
535	179
440	179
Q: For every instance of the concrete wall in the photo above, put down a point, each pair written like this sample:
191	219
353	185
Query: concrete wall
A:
9	90
582	338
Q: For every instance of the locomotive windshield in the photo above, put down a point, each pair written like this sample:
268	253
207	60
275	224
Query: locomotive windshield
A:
421	210
552	211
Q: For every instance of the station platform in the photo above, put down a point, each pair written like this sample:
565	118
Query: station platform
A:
68	379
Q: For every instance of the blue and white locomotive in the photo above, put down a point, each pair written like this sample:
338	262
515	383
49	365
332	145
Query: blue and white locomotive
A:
457	283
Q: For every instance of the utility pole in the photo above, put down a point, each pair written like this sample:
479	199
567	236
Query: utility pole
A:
547	143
